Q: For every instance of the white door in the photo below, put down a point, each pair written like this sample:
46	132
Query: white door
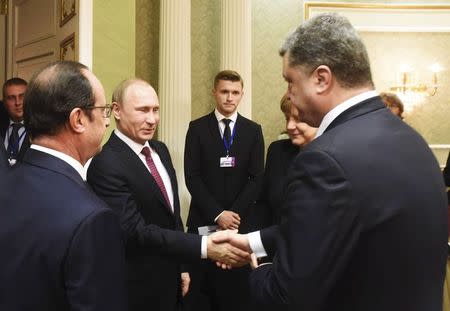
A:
40	32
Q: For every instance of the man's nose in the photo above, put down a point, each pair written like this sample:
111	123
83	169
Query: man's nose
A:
150	118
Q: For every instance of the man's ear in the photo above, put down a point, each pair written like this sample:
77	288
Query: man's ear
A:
77	119
115	107
323	78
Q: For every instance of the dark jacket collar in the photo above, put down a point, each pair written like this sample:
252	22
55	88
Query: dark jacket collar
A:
364	107
52	163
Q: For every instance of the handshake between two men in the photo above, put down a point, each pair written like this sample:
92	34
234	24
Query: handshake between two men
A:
230	249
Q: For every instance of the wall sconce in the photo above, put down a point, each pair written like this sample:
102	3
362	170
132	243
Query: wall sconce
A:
3	7
411	92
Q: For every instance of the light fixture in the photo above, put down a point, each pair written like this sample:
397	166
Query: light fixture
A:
411	92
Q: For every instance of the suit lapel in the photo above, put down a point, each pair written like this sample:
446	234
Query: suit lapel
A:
173	179
216	138
238	137
137	167
25	146
3	149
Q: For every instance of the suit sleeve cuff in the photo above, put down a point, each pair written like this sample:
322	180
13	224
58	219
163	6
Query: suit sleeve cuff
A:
254	240
215	219
204	248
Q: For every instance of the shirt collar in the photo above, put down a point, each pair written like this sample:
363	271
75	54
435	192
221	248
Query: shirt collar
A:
220	116
336	111
136	147
11	122
62	156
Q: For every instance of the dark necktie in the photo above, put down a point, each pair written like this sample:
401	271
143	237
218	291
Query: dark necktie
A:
148	158
227	131
14	139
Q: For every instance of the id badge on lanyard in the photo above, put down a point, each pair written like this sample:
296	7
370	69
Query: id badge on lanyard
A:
228	161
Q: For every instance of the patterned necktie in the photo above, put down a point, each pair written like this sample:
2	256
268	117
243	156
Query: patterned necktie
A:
14	140
151	164
227	131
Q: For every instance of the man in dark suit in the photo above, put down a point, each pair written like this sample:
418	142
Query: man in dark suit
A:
223	162
4	119
62	247
14	136
364	224
135	176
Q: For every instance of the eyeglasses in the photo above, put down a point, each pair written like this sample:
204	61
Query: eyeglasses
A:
106	110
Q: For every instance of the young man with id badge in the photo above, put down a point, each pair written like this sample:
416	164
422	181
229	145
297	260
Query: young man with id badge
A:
223	163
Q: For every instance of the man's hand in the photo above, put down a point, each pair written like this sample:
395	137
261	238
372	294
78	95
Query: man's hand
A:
185	282
237	240
226	253
229	220
254	261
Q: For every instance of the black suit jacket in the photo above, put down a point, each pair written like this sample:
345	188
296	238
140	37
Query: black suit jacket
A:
23	148
61	246
214	188
446	174
364	226
4	164
155	242
279	158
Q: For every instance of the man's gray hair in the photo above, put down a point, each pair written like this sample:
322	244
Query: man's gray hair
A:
329	39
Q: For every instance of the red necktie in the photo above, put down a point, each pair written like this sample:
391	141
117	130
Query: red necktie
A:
148	158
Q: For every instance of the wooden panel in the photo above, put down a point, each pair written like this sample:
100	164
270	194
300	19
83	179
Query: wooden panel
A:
40	15
40	48
25	69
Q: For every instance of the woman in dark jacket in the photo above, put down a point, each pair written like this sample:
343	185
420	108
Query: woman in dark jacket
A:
279	157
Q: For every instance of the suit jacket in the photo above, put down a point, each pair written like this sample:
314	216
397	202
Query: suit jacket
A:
214	188
364	226
446	174
4	164
280	155
155	242
23	148
61	246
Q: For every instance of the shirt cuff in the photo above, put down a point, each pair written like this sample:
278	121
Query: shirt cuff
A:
254	240
204	248
215	219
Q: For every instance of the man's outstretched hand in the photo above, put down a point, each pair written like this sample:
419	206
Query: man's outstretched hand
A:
223	249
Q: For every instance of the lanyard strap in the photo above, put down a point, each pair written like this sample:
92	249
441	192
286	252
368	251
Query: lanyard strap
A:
226	143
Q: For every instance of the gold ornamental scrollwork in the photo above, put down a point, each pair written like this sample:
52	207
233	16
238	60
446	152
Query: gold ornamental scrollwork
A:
67	48
68	10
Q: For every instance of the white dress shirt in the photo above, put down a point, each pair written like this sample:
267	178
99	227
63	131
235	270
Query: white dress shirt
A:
254	238
220	117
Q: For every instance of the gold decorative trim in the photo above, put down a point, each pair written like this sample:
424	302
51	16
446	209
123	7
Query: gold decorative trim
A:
3	7
64	45
68	10
308	6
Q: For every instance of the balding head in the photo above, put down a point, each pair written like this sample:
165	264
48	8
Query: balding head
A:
52	94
